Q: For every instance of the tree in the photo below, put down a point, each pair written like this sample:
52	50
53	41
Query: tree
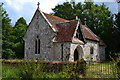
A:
117	32
7	43
18	32
12	46
98	18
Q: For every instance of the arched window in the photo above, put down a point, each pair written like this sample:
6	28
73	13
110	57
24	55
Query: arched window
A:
62	52
37	45
91	50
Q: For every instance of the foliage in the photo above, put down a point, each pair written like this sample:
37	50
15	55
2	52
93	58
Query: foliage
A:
75	70
8	54
98	18
117	33
18	32
118	68
37	69
7	51
31	69
101	70
9	71
13	45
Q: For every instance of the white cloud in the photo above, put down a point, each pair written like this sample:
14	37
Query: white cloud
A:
45	5
26	8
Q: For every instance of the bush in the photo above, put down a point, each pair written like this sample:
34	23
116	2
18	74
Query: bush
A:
75	70
8	54
9	71
31	69
118	69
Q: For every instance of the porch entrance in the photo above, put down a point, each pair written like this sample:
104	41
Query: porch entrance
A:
76	55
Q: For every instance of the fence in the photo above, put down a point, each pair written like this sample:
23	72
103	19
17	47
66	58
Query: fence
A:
102	70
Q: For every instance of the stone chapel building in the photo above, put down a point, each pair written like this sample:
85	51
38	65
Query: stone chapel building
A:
52	38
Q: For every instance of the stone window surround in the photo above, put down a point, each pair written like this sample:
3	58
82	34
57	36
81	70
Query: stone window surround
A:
37	45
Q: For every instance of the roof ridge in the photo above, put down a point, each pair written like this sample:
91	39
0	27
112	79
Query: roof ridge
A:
56	17
66	22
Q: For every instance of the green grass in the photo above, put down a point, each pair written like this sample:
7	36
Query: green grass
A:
9	71
103	70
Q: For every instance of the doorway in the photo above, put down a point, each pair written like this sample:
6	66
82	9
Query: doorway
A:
76	55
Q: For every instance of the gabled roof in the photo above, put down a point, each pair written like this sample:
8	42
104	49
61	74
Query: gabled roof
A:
65	29
88	34
54	20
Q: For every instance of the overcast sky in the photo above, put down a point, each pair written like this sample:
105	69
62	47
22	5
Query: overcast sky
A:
26	8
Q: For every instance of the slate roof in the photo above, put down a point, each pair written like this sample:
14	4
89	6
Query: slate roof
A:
65	29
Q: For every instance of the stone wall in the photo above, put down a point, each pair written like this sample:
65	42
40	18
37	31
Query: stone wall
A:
102	53
86	50
74	46
39	27
61	51
56	51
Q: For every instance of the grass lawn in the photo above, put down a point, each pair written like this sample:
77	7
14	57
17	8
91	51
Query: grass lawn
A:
103	70
10	71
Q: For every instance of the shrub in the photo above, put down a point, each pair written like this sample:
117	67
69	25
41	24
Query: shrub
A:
118	69
8	54
74	70
9	71
31	69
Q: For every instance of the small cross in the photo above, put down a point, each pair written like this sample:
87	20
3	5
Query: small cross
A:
38	4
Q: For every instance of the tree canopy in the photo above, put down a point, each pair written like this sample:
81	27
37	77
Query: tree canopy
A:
12	43
7	43
97	17
18	32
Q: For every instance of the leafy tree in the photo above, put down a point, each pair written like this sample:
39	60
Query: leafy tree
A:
18	32
7	43
117	33
12	43
98	18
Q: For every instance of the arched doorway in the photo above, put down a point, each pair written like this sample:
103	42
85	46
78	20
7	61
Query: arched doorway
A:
76	55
